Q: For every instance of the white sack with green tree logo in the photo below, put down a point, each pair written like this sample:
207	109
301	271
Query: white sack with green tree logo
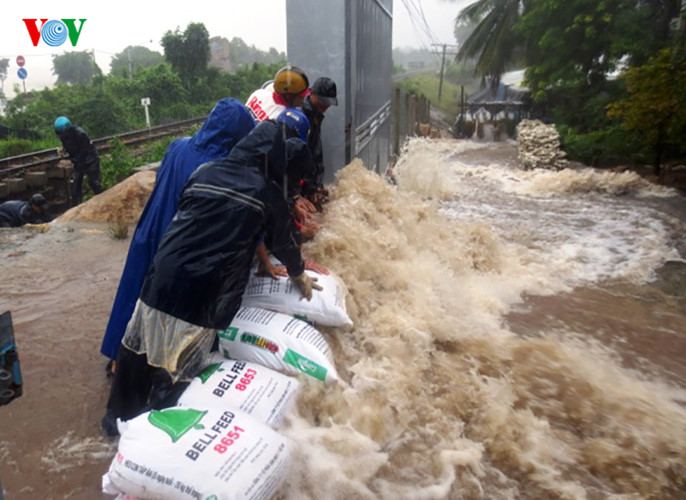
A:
185	453
278	341
254	389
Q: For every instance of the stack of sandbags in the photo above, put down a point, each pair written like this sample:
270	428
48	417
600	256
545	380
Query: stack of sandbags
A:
538	146
221	441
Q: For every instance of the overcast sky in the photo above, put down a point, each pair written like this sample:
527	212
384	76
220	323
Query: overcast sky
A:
112	26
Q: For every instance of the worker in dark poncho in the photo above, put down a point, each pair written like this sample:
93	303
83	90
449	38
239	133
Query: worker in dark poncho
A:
15	213
322	95
83	155
199	274
227	124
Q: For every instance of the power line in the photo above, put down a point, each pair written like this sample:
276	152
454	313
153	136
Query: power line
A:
415	26
419	23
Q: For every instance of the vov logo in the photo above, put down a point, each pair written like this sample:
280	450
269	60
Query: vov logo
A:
53	32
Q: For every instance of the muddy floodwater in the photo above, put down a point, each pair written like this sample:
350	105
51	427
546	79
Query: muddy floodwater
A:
59	287
517	335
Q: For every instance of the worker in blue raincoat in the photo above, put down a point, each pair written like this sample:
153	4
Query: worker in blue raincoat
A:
226	125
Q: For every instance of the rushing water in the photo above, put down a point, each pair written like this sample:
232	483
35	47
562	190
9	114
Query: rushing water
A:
517	335
508	342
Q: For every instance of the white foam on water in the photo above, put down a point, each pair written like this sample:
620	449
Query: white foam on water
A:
69	451
439	399
5	456
583	225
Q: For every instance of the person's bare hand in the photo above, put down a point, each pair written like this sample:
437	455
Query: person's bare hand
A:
41	228
309	229
301	214
311	265
305	205
268	269
306	285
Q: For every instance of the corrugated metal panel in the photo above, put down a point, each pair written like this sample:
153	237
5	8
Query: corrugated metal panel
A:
349	41
372	78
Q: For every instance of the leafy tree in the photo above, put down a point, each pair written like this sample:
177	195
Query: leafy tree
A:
188	52
111	104
571	49
126	62
274	56
563	40
242	55
577	43
656	107
657	15
494	41
4	65
74	67
102	113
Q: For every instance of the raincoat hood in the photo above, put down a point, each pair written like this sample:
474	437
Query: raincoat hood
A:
280	157
227	122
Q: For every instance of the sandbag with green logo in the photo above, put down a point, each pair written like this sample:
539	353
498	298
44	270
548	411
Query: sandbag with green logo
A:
278	341
252	388
188	453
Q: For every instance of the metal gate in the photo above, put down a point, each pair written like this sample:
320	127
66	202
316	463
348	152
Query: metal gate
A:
349	41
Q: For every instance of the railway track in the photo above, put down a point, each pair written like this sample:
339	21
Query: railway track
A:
17	166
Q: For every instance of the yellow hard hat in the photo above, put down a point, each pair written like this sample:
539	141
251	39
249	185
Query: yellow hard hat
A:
290	80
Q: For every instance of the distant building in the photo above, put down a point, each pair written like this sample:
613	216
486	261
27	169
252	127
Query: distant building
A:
219	53
507	102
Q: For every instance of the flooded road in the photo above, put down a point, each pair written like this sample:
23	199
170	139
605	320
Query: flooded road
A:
517	335
59	286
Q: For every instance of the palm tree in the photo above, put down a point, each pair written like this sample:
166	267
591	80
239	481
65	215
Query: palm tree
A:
494	42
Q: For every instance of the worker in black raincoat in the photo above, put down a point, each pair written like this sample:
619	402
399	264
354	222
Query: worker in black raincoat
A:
83	155
322	95
199	274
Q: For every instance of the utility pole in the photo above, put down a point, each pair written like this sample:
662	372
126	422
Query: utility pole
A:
445	46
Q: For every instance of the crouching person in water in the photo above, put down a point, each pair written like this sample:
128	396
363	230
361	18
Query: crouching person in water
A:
195	283
15	213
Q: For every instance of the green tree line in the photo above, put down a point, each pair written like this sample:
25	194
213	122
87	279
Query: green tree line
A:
611	74
180	85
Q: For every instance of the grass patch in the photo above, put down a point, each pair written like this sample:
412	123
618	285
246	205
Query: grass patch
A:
13	146
118	230
450	93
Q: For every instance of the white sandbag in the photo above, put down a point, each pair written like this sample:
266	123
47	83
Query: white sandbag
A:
278	341
254	389
327	306
184	453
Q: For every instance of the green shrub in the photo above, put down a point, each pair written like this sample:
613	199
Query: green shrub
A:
607	147
156	150
14	146
120	162
117	164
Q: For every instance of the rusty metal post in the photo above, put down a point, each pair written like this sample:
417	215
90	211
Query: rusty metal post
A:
408	118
